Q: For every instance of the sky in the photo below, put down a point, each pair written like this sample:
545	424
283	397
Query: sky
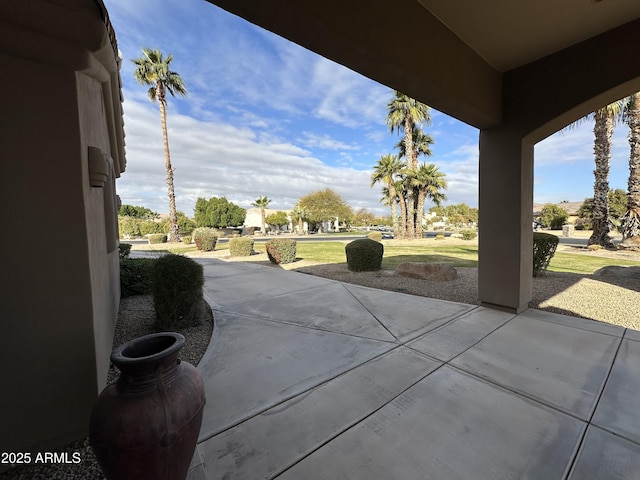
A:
264	116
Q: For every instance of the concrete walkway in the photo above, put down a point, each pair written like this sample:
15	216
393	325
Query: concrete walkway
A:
308	378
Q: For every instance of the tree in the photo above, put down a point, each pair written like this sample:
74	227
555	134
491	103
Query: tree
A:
137	212
617	201
324	206
262	203
153	69
299	214
218	213
279	219
386	171
630	221
428	182
553	216
364	218
406	115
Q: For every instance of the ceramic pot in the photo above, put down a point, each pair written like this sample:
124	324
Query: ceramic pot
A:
146	425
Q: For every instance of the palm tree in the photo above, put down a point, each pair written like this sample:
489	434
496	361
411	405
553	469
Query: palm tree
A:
262	203
386	170
630	222
153	69
429	182
299	215
403	114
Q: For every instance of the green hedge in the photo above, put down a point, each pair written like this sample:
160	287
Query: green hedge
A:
157	238
205	238
544	248
468	234
364	255
240	247
135	276
176	285
281	250
124	249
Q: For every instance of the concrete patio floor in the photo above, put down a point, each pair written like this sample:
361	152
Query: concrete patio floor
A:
309	378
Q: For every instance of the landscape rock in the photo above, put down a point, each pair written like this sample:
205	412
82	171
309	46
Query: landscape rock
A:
618	271
440	272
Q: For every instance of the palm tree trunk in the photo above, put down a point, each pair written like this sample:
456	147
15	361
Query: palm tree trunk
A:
631	220
422	196
264	230
173	216
393	195
402	225
603	132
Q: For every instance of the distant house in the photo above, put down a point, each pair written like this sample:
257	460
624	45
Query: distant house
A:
253	219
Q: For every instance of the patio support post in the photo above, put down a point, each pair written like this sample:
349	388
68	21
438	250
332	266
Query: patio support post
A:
505	243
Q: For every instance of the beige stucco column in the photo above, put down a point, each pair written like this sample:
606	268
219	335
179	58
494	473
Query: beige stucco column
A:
505	234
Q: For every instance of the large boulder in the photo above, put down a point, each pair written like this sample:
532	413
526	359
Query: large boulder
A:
427	271
618	271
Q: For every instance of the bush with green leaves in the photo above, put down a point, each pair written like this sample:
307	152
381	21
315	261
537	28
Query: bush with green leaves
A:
205	239
468	234
281	250
135	276
553	217
176	285
124	249
544	248
240	247
376	236
186	239
157	238
364	255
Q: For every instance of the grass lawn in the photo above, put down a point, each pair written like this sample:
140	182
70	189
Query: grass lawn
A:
457	255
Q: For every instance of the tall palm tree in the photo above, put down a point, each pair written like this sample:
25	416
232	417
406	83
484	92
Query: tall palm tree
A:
262	203
429	182
153	69
630	222
386	171
403	114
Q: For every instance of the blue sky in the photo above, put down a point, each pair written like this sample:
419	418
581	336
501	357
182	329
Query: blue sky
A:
264	116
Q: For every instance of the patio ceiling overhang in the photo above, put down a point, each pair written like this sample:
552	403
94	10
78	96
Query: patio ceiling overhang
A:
460	56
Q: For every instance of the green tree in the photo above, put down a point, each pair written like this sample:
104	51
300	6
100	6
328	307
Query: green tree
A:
137	212
262	203
630	221
387	171
617	201
364	218
279	219
428	182
407	115
218	213
324	206
553	216
185	224
153	69
299	214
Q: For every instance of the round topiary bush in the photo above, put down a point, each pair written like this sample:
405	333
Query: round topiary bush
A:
176	286
240	247
364	255
281	250
205	239
377	236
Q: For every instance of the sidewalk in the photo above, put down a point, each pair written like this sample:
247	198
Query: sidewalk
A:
309	378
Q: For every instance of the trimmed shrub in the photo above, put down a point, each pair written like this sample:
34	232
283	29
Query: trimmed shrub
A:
124	249
376	236
240	247
205	239
157	238
364	255
468	234
281	250
176	285
186	239
440	236
544	248
135	276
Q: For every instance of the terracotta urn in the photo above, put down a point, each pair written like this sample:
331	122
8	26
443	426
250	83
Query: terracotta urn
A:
146	425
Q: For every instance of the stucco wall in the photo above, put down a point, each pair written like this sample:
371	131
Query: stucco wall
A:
60	284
